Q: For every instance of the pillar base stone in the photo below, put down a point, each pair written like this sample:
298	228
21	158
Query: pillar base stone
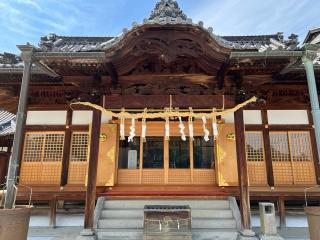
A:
247	234
87	234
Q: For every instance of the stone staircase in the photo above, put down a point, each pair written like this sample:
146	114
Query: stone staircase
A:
123	219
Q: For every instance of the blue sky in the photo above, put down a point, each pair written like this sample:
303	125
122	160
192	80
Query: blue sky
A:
24	21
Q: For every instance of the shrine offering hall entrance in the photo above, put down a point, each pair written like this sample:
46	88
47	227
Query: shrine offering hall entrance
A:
160	161
156	160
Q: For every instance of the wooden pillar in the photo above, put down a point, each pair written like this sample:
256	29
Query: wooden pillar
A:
66	150
242	170
282	212
267	148
53	212
92	169
307	60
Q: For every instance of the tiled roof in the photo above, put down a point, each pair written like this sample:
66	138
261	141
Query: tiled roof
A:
168	12
55	43
7	123
9	60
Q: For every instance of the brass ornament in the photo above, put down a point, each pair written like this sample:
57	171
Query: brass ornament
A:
231	136
103	137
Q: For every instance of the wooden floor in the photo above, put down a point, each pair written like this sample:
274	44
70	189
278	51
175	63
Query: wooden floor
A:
47	193
156	191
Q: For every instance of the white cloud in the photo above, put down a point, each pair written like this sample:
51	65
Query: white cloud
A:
31	3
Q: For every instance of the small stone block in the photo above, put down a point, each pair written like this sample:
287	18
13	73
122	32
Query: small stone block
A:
270	237
93	237
247	233
86	232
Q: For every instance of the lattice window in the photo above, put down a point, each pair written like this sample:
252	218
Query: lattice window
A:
300	146
254	146
47	147
42	158
256	158
279	146
79	147
292	157
53	147
33	147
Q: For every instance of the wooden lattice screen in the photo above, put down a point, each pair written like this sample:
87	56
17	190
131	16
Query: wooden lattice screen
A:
292	158
42	158
255	158
78	160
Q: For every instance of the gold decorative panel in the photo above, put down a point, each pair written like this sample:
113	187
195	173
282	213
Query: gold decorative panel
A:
42	158
255	158
107	155
78	161
227	158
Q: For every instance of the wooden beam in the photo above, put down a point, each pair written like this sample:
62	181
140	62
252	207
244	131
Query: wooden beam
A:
111	69
92	170
162	101
267	148
221	75
242	170
55	127
282	212
66	150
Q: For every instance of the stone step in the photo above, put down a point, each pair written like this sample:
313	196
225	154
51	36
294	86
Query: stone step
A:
137	223
121	213
138	213
137	234
214	234
200	223
121	223
194	204
211	213
115	234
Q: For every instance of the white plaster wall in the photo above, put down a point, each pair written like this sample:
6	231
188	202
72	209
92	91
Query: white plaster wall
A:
105	118
46	118
228	118
288	117
252	117
81	117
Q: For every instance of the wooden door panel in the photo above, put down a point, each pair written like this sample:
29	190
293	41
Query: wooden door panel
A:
107	155
227	158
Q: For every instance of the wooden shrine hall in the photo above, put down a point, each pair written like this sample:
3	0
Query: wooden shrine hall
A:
185	113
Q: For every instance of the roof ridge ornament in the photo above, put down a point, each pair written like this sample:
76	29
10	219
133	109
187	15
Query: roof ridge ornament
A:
167	9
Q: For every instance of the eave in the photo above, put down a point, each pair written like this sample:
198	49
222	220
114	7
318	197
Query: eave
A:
266	54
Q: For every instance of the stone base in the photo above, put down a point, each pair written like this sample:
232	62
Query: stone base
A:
87	234
270	237
247	234
94	237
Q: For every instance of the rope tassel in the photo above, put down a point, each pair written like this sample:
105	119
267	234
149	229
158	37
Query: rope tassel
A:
122	133
205	130
132	130
191	125
182	127
214	124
